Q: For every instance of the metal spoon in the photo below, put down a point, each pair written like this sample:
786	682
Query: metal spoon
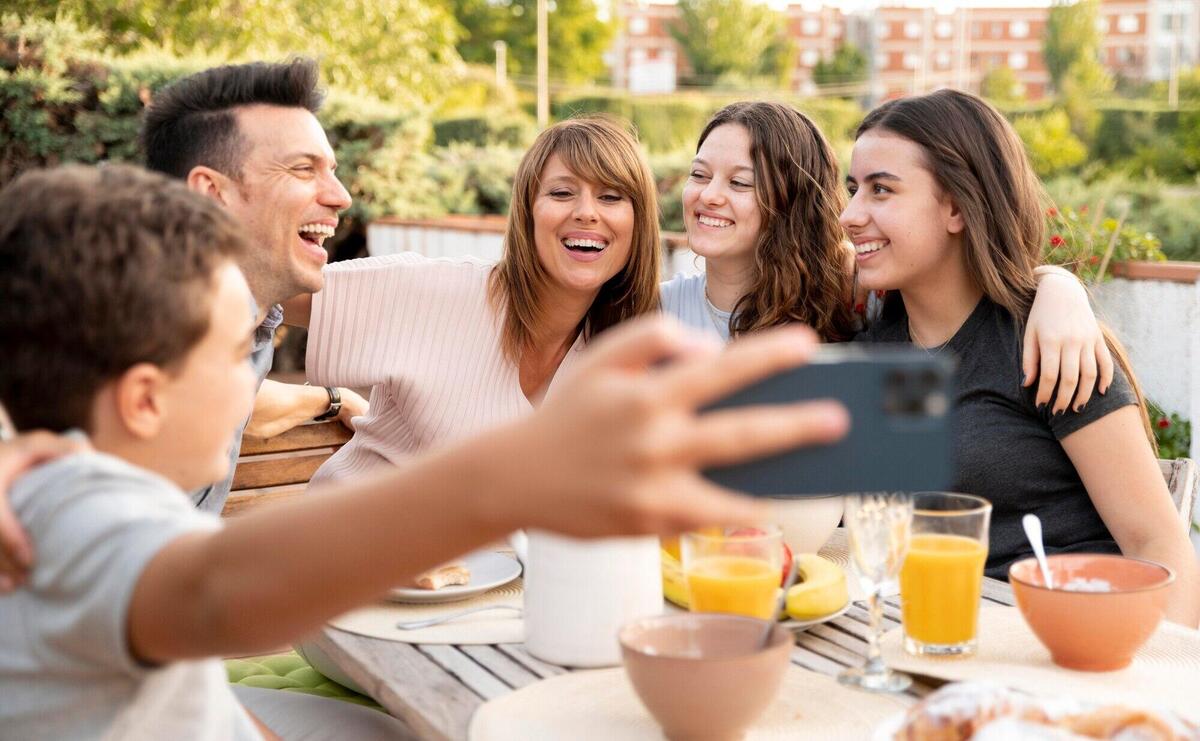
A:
1033	531
414	624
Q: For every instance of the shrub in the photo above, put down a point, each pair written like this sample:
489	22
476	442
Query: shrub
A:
1051	145
1080	241
515	129
1171	212
1172	432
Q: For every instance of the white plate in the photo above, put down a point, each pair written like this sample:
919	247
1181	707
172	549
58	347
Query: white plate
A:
799	625
488	571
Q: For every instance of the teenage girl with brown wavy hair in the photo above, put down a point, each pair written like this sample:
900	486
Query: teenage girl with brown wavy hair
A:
761	206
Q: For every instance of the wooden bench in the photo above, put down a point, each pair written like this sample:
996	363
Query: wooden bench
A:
275	468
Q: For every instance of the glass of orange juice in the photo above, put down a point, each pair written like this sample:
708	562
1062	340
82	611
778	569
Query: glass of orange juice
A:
733	571
942	575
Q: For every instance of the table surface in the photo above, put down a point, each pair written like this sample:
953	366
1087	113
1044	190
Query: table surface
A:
435	689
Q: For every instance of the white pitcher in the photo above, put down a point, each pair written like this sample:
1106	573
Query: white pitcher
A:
578	593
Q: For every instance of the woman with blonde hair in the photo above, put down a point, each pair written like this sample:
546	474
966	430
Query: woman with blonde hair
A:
453	346
761	206
946	214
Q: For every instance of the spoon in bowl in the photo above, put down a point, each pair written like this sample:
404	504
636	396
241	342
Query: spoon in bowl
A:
1033	531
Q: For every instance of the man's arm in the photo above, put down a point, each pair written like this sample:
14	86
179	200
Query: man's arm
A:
279	407
615	451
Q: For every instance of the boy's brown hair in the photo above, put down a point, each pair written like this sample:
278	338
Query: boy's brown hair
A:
100	269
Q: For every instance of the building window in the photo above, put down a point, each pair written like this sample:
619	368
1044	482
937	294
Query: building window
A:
1018	60
810	57
911	61
997	31
1124	55
976	30
881	29
1127	24
1173	21
912	30
942	59
810	26
1018	29
882	60
638	25
943	29
1102	24
637	56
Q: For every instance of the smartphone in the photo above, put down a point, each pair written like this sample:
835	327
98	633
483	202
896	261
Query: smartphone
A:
900	400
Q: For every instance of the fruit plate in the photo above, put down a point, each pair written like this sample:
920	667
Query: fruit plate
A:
798	625
488	571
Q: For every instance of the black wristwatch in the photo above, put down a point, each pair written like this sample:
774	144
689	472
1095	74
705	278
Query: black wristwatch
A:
335	404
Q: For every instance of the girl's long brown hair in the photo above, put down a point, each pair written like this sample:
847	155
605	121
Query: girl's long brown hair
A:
979	161
799	258
603	151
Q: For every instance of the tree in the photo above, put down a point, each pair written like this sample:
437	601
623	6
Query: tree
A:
848	65
397	49
578	38
1072	36
1001	86
733	38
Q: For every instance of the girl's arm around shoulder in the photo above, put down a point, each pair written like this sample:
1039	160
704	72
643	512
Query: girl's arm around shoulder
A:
1064	345
1117	465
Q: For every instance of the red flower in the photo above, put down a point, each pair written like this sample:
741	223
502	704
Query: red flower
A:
1083	209
1052	212
1163	423
1057	241
1094	259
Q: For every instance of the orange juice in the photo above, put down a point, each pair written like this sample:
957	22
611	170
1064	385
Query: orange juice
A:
939	588
735	584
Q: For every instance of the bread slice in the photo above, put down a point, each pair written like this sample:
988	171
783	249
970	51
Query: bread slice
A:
451	574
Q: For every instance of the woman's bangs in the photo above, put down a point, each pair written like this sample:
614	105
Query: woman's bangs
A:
599	162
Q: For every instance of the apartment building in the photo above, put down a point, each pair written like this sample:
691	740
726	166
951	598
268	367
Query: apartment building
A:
916	49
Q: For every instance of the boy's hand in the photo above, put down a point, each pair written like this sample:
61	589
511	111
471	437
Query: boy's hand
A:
618	446
16	457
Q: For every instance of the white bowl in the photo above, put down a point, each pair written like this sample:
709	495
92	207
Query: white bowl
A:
807	523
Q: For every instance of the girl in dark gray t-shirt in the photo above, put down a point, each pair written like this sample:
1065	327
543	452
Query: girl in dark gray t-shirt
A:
946	214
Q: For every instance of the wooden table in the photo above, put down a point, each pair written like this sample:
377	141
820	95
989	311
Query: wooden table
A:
435	689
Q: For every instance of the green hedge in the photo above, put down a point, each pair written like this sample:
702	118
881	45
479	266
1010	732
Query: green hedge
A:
515	129
667	123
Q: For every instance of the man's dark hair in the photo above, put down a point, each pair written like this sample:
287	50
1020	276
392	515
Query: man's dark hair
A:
191	121
100	269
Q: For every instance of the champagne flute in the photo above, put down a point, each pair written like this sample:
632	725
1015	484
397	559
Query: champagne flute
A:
878	527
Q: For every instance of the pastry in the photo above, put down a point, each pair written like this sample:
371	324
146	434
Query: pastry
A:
451	574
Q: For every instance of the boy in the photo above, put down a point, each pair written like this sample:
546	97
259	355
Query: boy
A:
123	305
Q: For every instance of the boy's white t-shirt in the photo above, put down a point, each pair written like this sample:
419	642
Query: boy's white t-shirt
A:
66	671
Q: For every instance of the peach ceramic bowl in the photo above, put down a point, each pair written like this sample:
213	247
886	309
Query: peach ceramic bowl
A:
705	675
1092	631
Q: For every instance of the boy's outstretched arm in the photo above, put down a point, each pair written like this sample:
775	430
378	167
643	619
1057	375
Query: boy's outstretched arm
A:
615	451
